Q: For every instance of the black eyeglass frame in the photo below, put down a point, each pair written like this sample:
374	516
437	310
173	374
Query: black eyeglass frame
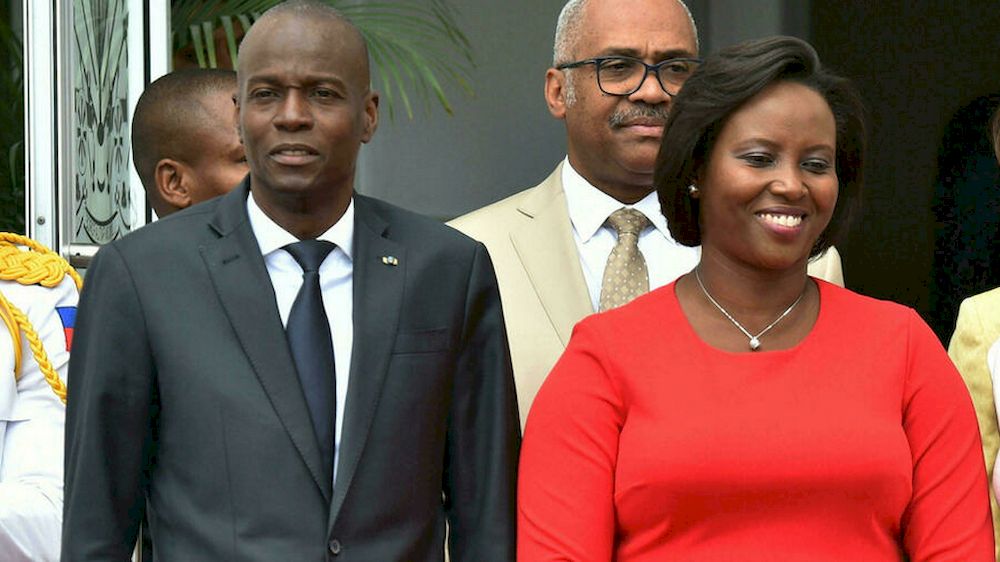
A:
654	68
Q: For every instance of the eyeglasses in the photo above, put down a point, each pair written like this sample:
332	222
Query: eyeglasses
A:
623	76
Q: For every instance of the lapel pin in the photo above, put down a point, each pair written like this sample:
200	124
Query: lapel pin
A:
390	260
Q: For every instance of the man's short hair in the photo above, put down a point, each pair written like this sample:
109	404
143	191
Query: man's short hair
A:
305	7
568	28
312	9
167	113
569	24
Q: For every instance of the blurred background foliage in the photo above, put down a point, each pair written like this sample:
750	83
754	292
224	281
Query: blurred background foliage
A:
416	46
11	126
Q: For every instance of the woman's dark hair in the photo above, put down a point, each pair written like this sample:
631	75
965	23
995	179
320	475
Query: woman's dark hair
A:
726	81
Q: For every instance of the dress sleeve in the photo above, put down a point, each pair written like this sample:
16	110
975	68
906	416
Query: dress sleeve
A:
948	518
566	480
968	349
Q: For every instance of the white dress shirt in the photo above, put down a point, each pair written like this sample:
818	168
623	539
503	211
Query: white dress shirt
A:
589	209
336	279
32	419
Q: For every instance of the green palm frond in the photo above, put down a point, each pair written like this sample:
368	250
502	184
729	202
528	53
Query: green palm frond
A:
11	129
417	46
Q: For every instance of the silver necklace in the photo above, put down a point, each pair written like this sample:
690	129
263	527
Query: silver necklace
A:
754	340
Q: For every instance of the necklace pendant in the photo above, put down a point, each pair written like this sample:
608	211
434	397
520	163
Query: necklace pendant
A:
754	340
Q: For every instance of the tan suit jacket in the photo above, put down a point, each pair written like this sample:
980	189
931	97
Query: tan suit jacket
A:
542	288
976	330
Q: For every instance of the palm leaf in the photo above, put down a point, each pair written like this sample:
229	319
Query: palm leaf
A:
14	156
227	25
390	75
11	128
417	46
199	45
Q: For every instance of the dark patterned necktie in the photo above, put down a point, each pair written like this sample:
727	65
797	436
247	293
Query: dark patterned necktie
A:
308	333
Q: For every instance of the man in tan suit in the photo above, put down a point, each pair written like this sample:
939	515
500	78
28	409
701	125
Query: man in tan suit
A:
975	349
550	243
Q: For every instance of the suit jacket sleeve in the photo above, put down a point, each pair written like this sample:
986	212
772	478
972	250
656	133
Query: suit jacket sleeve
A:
109	416
483	429
968	348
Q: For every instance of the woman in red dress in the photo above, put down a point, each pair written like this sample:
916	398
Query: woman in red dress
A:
747	411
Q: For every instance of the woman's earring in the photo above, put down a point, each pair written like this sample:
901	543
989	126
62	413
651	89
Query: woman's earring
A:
692	190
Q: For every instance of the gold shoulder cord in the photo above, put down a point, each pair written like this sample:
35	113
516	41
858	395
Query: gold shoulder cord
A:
36	266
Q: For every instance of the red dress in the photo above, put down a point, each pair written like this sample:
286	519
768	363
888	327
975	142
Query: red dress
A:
858	444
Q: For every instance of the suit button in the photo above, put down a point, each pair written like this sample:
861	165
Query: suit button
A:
335	547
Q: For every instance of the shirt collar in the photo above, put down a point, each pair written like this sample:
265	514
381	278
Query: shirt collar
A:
589	207
271	236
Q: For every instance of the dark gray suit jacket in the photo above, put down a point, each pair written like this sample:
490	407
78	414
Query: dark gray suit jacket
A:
182	390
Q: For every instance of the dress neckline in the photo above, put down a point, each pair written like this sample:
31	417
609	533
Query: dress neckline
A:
818	328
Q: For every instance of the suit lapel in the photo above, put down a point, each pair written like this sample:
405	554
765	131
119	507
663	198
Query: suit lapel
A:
549	255
378	298
241	281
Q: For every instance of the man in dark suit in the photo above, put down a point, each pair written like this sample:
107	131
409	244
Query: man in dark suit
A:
187	390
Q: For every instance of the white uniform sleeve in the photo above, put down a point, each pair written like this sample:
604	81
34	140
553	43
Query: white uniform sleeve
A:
31	439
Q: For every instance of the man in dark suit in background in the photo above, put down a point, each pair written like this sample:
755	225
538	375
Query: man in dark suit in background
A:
184	142
251	441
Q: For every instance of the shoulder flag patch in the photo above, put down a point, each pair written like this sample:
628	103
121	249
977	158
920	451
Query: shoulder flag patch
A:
68	316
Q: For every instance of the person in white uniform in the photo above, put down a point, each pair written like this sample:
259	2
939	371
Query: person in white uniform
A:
38	296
